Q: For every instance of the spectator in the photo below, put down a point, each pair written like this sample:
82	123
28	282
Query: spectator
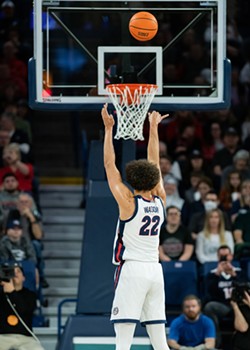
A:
241	234
241	205
170	129
224	157
17	68
8	19
197	163
14	245
166	166
219	288
212	237
240	163
23	172
13	334
8	195
4	141
197	221
212	140
7	122
204	186
187	139
32	227
171	188
230	191
175	240
192	330
24	119
192	194
241	338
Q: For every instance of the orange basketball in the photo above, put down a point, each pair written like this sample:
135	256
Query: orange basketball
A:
143	26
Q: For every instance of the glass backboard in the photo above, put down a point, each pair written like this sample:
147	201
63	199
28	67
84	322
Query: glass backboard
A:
81	46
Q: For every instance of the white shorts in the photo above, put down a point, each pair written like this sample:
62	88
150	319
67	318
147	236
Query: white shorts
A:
139	294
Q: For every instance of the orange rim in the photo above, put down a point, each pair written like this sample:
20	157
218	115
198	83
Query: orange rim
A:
132	87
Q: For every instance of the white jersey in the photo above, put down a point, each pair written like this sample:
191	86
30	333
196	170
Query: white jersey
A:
138	237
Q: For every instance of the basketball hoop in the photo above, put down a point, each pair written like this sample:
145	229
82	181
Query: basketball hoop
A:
131	102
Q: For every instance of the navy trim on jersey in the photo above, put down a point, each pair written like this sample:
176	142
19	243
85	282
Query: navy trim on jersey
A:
135	211
153	322
125	320
131	320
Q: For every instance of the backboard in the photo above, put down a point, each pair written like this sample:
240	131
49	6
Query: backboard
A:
81	46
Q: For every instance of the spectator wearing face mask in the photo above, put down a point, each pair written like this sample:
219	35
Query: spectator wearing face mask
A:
212	237
197	221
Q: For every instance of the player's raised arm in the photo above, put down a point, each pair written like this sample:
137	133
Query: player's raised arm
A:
118	189
153	147
153	143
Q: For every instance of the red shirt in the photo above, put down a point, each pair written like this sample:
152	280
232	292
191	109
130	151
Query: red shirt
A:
25	181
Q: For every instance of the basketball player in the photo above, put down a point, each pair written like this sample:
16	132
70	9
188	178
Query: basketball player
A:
139	294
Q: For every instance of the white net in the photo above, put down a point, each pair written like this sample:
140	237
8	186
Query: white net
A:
131	103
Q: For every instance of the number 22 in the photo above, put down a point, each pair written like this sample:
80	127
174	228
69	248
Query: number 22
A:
146	230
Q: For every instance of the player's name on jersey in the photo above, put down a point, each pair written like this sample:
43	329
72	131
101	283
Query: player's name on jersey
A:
151	209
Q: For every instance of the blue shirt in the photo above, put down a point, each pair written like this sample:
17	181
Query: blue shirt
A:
191	333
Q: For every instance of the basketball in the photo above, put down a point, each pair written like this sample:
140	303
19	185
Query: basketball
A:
143	26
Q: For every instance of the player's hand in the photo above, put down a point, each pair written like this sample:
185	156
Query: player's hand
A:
155	117
107	118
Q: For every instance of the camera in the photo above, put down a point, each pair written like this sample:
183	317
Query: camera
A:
223	258
7	272
238	292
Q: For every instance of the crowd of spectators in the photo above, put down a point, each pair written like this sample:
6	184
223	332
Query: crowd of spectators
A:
21	230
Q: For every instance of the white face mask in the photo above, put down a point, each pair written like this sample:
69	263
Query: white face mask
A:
210	205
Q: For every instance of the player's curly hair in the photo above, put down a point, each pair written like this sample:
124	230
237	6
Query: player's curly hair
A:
142	175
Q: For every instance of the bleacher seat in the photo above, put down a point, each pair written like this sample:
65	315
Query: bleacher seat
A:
29	269
180	278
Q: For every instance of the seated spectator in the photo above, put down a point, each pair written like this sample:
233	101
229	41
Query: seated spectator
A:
14	245
197	221
7	122
175	199
192	329
241	338
191	193
13	334
31	222
196	164
212	237
171	188
230	191
219	288
24	172
240	163
241	205
175	240
23	121
166	166
212	140
8	195
224	157
241	233
170	128
204	186
18	69
4	141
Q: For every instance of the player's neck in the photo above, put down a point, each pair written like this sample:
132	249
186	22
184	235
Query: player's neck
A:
145	194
